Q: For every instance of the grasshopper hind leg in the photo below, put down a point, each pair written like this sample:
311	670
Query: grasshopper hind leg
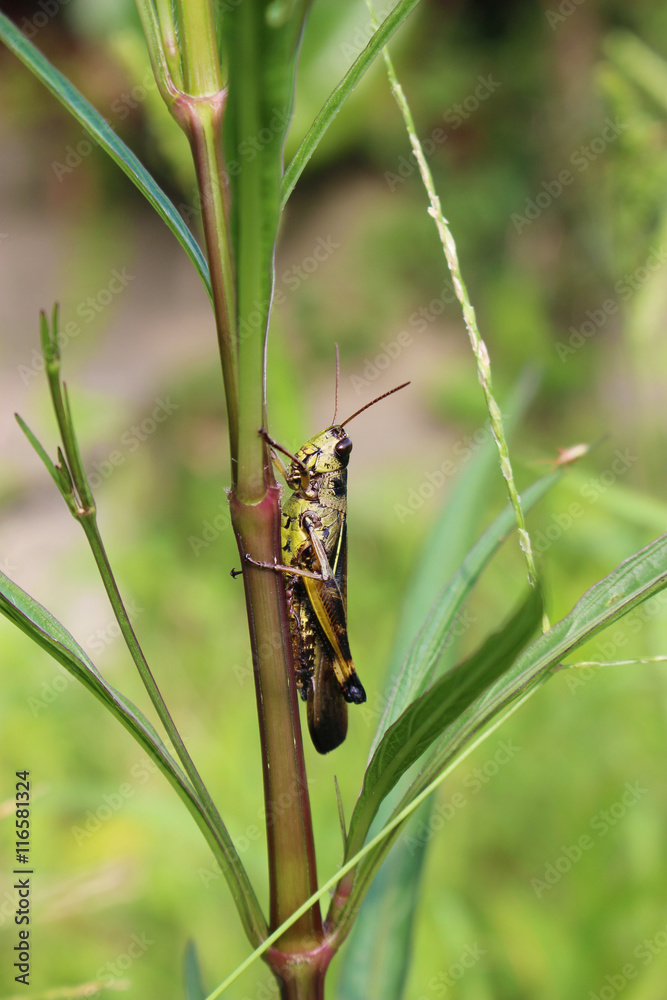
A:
303	640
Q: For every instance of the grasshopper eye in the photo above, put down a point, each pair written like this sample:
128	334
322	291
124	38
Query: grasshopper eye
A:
343	448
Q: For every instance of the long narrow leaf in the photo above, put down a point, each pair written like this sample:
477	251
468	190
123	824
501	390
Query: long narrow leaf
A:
194	987
635	580
376	959
426	718
46	631
335	101
418	666
107	139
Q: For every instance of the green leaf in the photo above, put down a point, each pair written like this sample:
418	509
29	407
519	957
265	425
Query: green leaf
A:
194	987
635	580
50	467
41	626
335	100
641	64
260	44
429	716
376	960
107	139
46	631
420	663
632	582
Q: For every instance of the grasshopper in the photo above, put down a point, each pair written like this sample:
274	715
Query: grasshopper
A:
314	552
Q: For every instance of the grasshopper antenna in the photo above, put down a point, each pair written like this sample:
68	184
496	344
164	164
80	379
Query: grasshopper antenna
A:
377	399
333	422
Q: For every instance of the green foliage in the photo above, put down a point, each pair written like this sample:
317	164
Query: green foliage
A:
96	126
520	299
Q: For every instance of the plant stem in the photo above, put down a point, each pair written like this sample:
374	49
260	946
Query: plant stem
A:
201	120
240	268
233	870
254	498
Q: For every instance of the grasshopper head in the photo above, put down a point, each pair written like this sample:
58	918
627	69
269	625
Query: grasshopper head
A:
328	451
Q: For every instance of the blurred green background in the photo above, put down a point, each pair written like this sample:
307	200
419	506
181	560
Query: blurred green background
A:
544	125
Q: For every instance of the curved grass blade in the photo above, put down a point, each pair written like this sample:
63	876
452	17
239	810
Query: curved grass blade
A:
632	582
335	101
426	718
377	956
106	138
420	663
46	631
376	959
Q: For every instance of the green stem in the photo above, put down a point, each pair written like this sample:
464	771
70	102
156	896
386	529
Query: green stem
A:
241	285
201	60
201	121
253	921
291	849
256	517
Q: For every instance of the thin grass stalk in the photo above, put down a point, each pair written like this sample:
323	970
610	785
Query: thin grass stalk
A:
478	346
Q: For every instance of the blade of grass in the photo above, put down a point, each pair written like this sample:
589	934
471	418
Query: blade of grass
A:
635	580
105	136
335	101
419	665
428	716
45	630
